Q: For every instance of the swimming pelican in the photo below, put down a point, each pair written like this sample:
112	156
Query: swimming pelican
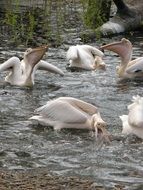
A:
127	68
22	72
84	56
133	122
68	112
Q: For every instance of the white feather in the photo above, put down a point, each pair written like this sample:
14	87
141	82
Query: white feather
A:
128	68
136	112
22	72
68	112
83	56
133	122
137	67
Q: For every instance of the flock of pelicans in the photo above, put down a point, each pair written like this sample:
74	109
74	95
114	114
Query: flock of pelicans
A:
69	112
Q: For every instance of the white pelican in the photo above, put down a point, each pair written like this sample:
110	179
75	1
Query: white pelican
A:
22	72
133	122
84	56
128	68
68	112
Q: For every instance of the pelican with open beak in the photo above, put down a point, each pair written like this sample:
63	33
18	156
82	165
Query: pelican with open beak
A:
22	72
128	68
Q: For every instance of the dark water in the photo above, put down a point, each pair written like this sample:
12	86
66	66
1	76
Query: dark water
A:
72	152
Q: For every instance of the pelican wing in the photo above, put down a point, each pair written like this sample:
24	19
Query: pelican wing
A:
135	66
81	105
123	48
44	65
72	53
93	50
10	63
57	110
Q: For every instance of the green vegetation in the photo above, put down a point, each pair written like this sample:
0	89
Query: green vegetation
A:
47	23
34	24
97	12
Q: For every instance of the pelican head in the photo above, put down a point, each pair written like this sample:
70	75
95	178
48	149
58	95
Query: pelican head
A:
99	126
33	55
99	63
123	48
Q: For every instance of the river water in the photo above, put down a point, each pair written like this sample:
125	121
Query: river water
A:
72	152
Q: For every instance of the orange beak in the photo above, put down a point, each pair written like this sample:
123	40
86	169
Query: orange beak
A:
122	48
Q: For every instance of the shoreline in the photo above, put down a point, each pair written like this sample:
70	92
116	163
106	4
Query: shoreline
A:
41	179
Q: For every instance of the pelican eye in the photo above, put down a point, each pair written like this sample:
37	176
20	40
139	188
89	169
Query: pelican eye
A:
28	50
99	125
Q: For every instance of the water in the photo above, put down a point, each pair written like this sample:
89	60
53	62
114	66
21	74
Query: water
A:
72	152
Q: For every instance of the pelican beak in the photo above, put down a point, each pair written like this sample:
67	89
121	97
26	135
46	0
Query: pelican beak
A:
116	47
101	131
36	54
122	48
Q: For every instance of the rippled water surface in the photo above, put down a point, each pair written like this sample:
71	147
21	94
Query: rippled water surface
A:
72	152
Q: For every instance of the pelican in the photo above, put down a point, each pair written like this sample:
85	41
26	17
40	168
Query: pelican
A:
128	68
68	112
133	122
22	72
84	56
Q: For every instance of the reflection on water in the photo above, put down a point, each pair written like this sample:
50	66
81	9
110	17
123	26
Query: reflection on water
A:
72	152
